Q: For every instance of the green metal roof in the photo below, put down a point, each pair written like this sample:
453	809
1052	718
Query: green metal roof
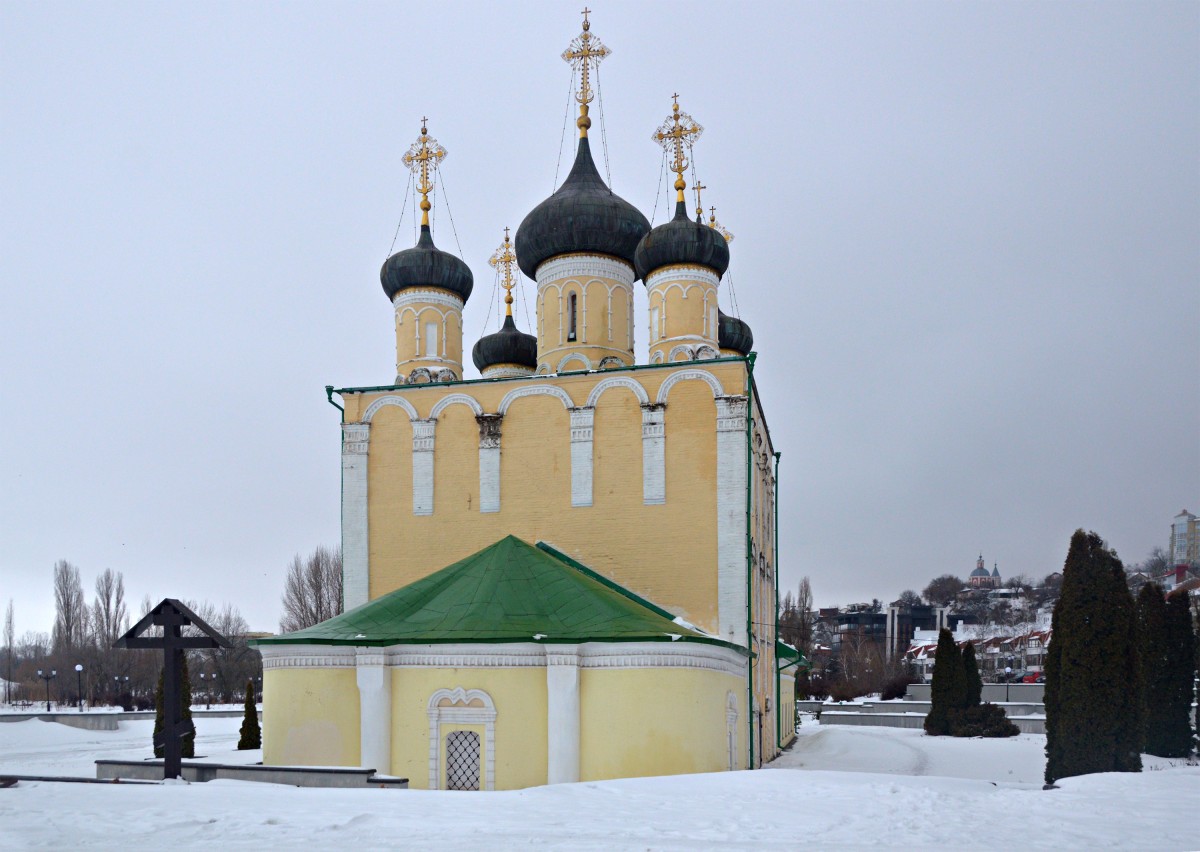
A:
510	591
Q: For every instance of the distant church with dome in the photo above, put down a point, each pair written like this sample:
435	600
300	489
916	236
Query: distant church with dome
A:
981	578
565	570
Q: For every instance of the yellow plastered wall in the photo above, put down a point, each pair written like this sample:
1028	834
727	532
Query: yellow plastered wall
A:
410	338
639	722
311	717
666	553
599	332
763	600
519	695
787	706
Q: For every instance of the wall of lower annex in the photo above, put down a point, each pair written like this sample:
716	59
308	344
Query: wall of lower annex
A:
521	746
666	552
640	722
311	717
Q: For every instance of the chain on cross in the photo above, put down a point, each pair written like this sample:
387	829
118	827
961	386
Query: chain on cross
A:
422	158
678	132
584	54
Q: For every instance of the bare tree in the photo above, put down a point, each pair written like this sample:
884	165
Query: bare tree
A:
70	610
312	592
943	590
225	670
909	598
108	609
9	651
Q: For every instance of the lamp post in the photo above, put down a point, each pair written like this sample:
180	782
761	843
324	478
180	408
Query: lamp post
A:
206	687
1007	679
79	684
47	677
117	680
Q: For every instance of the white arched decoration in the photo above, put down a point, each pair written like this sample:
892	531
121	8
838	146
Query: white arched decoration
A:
398	401
449	708
580	430
455	399
683	376
652	442
535	390
618	381
584	361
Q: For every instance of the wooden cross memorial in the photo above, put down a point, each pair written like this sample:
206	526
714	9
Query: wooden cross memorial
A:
171	615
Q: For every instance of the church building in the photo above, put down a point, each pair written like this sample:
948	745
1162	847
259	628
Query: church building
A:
566	569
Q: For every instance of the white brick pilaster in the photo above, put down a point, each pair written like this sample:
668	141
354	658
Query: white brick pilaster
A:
422	466
375	710
731	518
582	430
355	574
654	478
489	461
562	716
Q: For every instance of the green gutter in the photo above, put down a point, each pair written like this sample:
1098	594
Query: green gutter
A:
749	551
341	485
775	573
329	396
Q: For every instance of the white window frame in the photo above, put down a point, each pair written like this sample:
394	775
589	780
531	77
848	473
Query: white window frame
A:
442	720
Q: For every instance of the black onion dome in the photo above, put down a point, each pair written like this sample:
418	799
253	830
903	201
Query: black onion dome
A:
584	215
507	346
733	333
425	265
681	241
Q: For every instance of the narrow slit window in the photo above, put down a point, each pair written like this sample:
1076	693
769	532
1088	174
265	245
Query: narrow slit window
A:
431	342
654	335
571	314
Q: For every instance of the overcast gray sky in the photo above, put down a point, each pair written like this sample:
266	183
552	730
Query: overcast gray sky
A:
967	240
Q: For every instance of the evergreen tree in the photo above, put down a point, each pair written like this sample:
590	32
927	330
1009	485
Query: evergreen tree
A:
949	688
1175	738
1152	642
974	681
189	742
1093	669
251	734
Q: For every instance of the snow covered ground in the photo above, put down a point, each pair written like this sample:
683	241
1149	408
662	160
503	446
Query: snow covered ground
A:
846	787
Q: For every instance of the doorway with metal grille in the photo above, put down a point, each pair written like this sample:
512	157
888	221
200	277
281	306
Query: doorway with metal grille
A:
462	760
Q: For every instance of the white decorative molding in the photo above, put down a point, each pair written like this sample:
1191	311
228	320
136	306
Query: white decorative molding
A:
562	714
460	655
731	518
582	429
684	375
422	466
398	401
654	476
535	390
506	371
458	712
306	657
489	461
455	399
662	655
374	681
584	266
731	716
355	543
687	352
426	296
615	382
683	277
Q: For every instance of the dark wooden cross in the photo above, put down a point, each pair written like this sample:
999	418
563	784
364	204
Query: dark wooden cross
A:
172	616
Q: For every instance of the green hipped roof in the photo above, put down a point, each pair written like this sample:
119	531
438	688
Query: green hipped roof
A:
788	656
508	592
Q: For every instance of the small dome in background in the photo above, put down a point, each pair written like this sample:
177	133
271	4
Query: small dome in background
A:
681	241
509	345
425	265
733	333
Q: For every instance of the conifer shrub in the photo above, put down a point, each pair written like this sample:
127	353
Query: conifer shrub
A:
1093	670
1175	738
982	720
949	688
189	742
971	672
251	733
1156	687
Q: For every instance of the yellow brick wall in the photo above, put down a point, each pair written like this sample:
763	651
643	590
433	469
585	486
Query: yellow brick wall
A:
666	553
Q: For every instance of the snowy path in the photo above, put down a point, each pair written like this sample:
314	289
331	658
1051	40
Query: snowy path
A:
896	793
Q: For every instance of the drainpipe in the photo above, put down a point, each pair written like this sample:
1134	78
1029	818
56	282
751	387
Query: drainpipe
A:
775	570
749	554
342	476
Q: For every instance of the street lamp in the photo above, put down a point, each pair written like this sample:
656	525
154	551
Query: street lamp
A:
47	677
117	679
79	684
206	689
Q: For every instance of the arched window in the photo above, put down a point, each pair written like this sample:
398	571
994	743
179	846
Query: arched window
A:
431	344
462	740
572	304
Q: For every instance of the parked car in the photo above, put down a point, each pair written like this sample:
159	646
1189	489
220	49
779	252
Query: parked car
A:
1033	677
